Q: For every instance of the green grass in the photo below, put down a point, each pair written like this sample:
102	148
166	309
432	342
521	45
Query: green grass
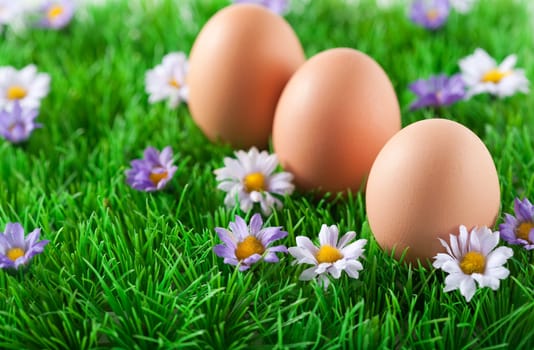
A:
131	270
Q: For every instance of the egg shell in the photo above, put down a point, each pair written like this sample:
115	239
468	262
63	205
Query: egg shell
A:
238	65
332	119
430	178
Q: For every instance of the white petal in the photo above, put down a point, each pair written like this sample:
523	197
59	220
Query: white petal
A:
498	272
352	268
346	238
308	274
451	266
328	235
468	288
498	257
354	250
486	281
453	281
508	63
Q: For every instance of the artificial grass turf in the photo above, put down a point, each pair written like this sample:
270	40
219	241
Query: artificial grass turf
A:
132	270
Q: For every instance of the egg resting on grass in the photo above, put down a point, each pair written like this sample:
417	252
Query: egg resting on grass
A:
239	64
334	116
431	177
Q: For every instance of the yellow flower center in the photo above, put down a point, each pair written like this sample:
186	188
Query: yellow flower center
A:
250	246
328	254
174	83
494	76
432	14
54	11
157	177
16	92
14	253
473	262
254	182
523	230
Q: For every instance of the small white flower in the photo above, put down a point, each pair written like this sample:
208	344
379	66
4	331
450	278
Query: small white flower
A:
9	11
331	257
462	6
167	80
472	257
481	74
26	86
249	179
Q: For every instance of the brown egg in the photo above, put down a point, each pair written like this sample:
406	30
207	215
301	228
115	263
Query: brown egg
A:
430	178
238	66
333	117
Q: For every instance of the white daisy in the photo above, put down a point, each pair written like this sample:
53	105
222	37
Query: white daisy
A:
249	179
331	257
471	257
9	11
462	6
26	86
481	74
167	80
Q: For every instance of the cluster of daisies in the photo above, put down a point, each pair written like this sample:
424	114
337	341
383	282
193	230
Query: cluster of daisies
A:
21	91
479	74
253	181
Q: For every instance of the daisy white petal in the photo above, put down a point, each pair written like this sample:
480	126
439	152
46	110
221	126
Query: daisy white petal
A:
308	274
27	87
328	258
474	259
250	179
468	288
168	80
481	74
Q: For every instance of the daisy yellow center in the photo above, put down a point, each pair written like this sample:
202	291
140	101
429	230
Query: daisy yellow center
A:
157	177
16	92
432	14
473	262
523	230
494	76
250	246
174	83
254	182
54	11
14	253
328	254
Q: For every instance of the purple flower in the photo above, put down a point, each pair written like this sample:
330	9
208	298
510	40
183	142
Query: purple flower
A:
15	250
243	246
438	90
56	14
430	14
17	125
519	229
153	171
276	6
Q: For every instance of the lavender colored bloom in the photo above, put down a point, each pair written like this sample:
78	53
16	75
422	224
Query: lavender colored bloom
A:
152	172
438	90
17	125
56	14
430	14
276	6
519	229
15	249
243	246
